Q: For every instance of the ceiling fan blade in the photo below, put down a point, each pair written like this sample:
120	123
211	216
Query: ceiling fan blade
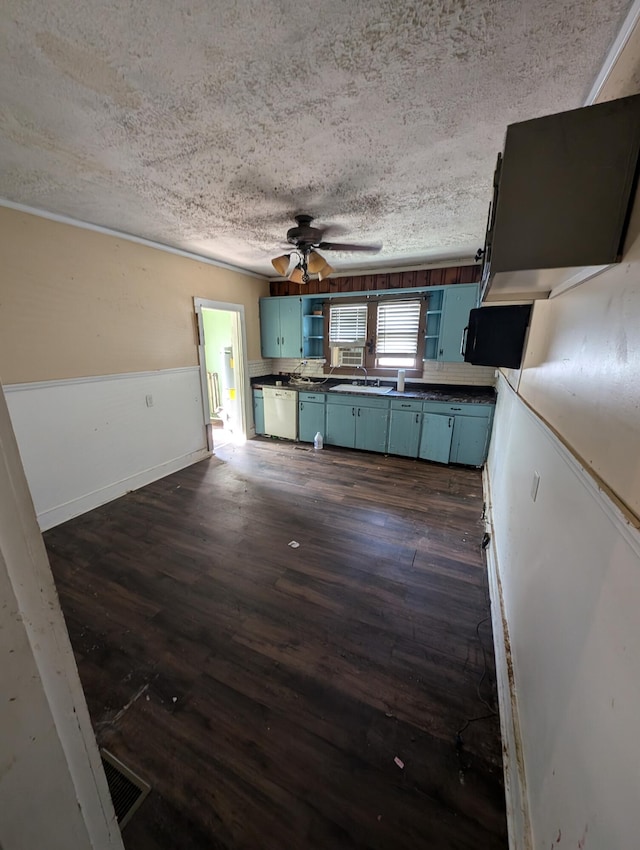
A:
341	246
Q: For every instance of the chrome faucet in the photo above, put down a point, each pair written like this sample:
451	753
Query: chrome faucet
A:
366	374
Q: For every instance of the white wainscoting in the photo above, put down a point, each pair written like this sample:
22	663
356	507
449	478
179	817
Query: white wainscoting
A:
86	441
568	566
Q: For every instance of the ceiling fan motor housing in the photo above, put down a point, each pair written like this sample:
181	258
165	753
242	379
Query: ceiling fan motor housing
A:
304	236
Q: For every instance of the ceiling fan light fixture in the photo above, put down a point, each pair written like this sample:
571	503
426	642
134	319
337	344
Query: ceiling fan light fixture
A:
325	272
296	275
315	262
281	264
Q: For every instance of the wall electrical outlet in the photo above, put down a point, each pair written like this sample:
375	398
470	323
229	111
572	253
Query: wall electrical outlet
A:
534	486
149	400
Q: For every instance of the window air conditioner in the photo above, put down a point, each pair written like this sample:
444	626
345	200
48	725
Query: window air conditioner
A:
341	356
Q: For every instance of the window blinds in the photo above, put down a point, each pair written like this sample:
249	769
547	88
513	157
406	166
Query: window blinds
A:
348	324
398	325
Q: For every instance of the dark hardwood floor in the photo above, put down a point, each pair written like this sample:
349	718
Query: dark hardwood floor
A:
265	691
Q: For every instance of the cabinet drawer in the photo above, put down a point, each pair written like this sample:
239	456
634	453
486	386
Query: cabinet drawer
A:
481	410
313	398
349	400
410	404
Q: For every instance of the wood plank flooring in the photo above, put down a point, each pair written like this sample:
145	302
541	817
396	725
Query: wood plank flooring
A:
264	691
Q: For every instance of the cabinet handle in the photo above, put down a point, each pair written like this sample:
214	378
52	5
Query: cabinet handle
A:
277	340
417	417
463	341
405	405
450	418
358	411
283	340
456	408
353	411
441	352
301	405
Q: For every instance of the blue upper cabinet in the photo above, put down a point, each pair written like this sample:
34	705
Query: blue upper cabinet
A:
281	327
291	327
447	317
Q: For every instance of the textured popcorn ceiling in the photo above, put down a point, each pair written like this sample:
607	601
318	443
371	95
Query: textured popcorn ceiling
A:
206	124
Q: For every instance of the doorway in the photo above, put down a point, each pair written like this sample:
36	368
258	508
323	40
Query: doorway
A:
223	371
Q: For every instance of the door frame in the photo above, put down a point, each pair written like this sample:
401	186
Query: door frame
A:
240	354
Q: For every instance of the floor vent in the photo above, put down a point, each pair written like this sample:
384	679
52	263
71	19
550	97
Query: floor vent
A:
127	790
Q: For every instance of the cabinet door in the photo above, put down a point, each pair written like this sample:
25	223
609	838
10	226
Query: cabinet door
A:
258	412
371	429
458	302
290	327
435	438
470	438
341	425
270	326
404	433
310	420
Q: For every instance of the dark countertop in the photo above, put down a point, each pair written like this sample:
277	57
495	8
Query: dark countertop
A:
451	393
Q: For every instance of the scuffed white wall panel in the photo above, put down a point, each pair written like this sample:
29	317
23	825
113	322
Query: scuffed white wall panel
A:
582	371
570	570
53	793
84	442
30	748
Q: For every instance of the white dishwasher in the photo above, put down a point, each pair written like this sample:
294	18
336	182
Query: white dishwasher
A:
280	412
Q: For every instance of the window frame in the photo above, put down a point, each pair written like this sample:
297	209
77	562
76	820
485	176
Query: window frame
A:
372	302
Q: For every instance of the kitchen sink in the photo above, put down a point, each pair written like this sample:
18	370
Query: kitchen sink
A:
356	388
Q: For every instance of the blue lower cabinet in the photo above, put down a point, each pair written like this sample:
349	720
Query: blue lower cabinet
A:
436	431
404	432
470	440
310	416
341	425
436	436
258	411
371	428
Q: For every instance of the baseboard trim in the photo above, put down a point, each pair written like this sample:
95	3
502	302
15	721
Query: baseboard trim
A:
87	502
515	784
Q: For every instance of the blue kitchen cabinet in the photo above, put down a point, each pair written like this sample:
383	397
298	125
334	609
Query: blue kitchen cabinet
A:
341	423
281	327
404	427
312	329
270	327
447	317
458	302
311	417
470	440
258	411
456	433
372	427
436	436
357	422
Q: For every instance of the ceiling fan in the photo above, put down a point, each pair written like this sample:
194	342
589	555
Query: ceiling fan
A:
305	238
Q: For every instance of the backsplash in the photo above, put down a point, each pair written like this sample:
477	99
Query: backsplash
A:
432	372
257	368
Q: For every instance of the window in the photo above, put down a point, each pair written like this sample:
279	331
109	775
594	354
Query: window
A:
348	324
398	325
381	333
347	334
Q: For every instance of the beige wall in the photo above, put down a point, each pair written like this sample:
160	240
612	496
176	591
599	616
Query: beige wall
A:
74	302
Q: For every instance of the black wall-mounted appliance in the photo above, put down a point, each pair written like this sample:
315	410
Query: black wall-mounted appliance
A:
563	191
495	335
